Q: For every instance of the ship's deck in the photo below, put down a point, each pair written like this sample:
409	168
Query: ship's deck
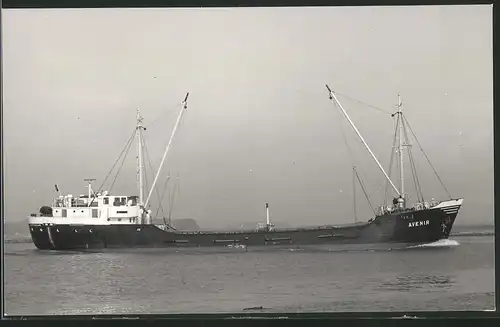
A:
276	230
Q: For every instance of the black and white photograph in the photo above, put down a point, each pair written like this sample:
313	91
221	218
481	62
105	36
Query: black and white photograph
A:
248	160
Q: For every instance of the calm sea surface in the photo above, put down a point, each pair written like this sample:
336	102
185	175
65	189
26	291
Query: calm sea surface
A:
457	274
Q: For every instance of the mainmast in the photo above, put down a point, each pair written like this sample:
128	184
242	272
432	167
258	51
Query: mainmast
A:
139	158
332	96
401	171
401	202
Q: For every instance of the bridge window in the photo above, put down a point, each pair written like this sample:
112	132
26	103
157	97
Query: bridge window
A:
132	200
117	202
105	200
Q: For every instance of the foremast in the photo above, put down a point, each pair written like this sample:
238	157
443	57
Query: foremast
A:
400	131
144	213
400	153
402	197
140	167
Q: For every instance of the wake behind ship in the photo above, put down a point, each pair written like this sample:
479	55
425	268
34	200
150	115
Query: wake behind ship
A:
100	220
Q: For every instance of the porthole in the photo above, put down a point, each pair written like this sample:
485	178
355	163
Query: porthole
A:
82	210
108	219
138	229
41	230
57	230
74	210
76	230
32	229
90	230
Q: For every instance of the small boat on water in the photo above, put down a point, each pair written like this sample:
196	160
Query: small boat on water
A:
99	219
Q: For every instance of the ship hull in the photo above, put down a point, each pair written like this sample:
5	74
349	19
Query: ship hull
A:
410	227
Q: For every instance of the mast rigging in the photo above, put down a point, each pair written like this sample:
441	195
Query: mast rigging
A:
401	135
332	96
169	145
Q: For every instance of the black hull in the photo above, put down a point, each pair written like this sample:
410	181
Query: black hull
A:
413	227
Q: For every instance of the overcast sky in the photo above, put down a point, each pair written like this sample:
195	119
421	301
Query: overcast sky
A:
260	126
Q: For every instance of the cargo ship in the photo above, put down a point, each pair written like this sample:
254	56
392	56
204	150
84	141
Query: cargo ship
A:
100	219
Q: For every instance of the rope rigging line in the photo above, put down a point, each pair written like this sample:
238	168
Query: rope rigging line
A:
121	165
172	198
151	167
345	139
351	157
421	149
162	114
169	144
416	182
143	146
410	155
364	191
392	151
365	104
99	189
161	200
165	186
391	160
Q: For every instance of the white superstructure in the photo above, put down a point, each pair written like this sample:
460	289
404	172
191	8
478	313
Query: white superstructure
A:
101	210
97	208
